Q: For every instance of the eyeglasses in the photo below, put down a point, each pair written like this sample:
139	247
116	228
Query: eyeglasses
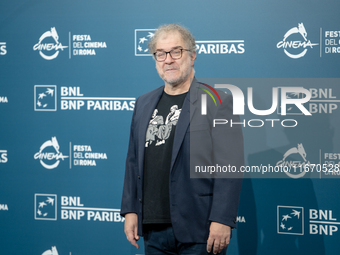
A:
174	54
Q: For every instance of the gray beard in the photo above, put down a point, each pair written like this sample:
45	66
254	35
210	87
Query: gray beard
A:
179	80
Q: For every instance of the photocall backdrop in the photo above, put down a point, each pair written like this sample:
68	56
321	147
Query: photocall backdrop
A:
71	72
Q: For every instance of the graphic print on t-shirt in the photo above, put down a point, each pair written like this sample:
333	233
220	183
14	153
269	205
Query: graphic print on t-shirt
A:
159	131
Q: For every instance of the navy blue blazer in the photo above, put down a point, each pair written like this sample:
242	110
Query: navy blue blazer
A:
194	202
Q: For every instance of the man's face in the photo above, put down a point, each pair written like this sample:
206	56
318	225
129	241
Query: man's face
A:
172	71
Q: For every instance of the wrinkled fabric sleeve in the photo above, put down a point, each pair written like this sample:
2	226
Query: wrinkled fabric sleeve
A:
129	197
227	151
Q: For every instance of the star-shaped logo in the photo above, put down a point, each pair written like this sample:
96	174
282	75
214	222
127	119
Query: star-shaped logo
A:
142	38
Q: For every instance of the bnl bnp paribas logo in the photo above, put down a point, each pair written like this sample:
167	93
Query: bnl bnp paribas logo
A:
45	207
3	156
295	43
3	50
143	36
323	100
291	221
71	208
45	97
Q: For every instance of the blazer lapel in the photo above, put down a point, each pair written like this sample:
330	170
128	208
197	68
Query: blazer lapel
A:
187	113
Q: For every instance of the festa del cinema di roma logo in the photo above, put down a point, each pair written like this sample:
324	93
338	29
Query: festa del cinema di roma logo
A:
292	158
52	251
50	46
49	154
298	48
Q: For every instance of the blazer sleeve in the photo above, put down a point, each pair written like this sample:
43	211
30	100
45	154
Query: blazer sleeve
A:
129	197
227	151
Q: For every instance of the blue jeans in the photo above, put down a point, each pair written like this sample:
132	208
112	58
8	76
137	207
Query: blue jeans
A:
160	239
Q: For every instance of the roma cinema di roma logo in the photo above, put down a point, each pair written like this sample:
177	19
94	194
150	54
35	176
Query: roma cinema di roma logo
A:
204	98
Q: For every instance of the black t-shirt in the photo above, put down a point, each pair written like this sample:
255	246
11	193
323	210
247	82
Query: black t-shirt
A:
157	158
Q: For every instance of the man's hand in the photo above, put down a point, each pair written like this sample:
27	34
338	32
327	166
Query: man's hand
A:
219	237
130	228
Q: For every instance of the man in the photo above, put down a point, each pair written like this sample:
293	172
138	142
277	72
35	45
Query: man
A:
177	214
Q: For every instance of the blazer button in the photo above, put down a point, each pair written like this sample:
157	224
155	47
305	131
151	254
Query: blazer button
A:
138	177
140	200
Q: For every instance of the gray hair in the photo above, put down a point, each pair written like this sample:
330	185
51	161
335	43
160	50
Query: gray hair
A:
187	37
